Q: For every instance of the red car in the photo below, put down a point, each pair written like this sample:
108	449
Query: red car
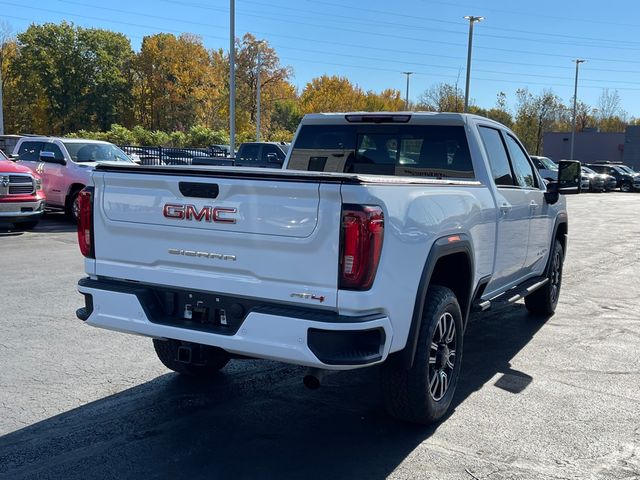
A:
21	194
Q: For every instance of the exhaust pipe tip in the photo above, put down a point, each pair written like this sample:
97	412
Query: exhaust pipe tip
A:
313	378
311	382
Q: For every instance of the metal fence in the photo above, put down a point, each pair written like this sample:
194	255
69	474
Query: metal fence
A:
213	155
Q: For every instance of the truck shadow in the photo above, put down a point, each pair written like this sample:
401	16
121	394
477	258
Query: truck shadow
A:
256	421
51	222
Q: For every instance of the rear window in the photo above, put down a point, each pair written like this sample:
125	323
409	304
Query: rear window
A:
432	151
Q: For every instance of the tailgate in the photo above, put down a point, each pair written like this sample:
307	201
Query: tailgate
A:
256	237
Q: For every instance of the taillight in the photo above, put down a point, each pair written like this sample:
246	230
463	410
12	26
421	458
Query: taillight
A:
85	222
361	244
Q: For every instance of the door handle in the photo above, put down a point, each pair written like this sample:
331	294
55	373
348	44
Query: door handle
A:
533	205
505	208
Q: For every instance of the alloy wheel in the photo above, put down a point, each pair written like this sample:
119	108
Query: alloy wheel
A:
556	276
442	356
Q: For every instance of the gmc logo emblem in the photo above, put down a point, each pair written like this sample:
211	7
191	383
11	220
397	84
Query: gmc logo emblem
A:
177	211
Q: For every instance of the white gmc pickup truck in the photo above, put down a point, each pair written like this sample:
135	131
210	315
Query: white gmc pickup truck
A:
373	244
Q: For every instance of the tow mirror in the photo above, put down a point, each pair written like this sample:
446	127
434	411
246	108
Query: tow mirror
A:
14	156
50	157
569	181
273	158
569	177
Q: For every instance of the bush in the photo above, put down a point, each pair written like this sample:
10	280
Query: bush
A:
280	136
200	136
197	136
158	137
179	139
120	135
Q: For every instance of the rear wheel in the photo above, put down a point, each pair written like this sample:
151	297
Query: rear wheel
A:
423	393
190	359
545	300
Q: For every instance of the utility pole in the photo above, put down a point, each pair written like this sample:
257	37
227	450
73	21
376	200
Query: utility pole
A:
406	98
232	78
472	20
575	99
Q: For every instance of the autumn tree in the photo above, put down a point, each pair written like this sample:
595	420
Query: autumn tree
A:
276	93
331	94
173	82
7	56
389	100
610	116
535	114
443	97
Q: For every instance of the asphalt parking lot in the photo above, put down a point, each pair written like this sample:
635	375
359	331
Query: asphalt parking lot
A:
554	400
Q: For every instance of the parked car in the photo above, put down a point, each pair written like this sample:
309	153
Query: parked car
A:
8	142
597	181
628	169
262	154
585	182
547	168
65	165
21	196
344	259
625	181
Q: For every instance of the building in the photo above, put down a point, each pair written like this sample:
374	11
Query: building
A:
589	146
593	146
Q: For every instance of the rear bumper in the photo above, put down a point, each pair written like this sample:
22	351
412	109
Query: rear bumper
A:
309	338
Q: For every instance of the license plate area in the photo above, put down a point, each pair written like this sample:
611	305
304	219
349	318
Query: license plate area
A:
196	310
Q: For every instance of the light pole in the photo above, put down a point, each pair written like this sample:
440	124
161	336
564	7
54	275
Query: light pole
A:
575	98
232	78
259	66
472	20
406	98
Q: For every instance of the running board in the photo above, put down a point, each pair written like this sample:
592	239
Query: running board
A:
510	296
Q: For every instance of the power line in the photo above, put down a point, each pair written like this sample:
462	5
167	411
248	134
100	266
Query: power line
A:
615	43
540	15
321	52
221	9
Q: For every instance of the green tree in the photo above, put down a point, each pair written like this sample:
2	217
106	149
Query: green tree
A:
70	77
108	57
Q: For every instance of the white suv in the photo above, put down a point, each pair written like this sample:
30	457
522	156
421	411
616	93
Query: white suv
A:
65	165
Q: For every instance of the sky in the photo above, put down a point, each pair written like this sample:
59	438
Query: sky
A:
519	44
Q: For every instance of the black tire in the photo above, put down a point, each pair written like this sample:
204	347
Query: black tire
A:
26	225
71	208
206	360
626	187
409	394
545	300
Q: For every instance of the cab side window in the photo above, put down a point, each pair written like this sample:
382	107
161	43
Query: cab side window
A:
523	169
30	151
271	149
498	159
